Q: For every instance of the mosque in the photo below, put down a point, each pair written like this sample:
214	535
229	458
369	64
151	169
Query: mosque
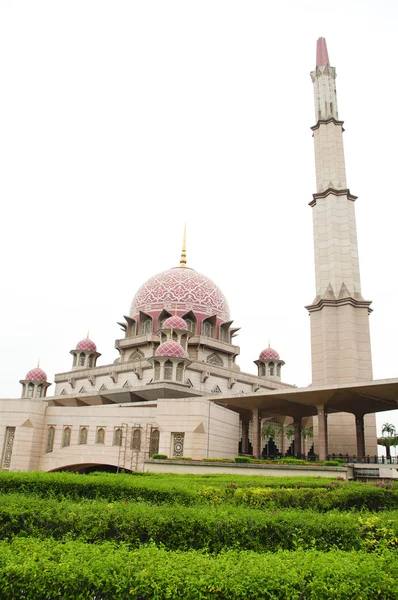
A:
176	387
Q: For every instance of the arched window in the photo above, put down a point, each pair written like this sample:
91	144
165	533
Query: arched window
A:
183	341
215	359
136	440
157	370
82	359
50	439
137	355
90	360
117	437
83	435
39	391
74	360
154	442
261	370
100	439
271	369
207	329
146	326
191	325
180	371
66	437
168	369
31	387
278	370
174	336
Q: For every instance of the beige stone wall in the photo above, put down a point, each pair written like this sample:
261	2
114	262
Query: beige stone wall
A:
329	157
27	416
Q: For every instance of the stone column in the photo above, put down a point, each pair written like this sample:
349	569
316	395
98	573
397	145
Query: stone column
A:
297	435
322	433
256	433
360	433
245	437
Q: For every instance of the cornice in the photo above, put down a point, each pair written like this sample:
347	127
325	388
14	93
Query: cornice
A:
323	302
326	122
328	191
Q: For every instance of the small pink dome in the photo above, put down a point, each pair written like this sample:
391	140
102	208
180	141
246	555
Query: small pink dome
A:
269	354
86	345
174	323
171	348
36	375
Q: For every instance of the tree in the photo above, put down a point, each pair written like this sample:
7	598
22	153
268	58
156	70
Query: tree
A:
289	433
388	441
268	432
307	433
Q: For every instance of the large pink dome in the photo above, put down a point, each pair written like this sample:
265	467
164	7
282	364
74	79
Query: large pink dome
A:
180	289
269	354
171	348
36	374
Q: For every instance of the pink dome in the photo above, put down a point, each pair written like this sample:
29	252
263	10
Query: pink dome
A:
181	289
174	323
171	348
86	345
269	354
36	375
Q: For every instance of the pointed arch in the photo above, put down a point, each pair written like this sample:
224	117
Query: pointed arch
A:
50	438
66	434
136	355
168	370
136	439
215	359
83	433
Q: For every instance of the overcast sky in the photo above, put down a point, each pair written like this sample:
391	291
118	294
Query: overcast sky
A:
119	121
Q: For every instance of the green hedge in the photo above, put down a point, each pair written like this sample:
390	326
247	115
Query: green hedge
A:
181	528
338	496
31	569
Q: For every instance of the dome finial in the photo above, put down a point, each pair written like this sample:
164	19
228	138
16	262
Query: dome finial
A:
88	333
38	364
183	259
269	342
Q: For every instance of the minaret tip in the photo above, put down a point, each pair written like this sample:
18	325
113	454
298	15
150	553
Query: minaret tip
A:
183	259
88	333
38	364
322	57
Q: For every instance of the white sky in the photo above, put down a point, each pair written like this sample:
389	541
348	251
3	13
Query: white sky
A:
121	120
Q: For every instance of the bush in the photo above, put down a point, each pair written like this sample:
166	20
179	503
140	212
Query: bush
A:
242	459
159	456
32	569
212	528
332	463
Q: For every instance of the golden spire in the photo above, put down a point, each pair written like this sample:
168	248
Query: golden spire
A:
183	259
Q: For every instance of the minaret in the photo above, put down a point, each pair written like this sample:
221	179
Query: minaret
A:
340	337
339	314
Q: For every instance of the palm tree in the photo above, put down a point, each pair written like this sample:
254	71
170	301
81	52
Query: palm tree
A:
307	433
389	429
289	432
267	433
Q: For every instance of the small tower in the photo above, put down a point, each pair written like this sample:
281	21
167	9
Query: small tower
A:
170	361
175	328
35	384
269	364
85	354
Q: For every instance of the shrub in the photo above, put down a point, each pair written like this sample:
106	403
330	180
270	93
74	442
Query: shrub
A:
242	459
159	456
31	569
332	463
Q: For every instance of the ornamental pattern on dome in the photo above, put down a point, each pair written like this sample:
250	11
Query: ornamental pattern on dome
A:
174	322
86	345
181	289
171	348
269	354
36	374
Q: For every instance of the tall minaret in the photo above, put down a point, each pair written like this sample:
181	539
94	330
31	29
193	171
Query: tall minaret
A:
340	338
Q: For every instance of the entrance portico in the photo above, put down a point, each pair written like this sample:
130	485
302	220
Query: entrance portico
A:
358	399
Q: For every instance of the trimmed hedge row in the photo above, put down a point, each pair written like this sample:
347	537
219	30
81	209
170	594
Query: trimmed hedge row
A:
202	528
31	569
344	497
